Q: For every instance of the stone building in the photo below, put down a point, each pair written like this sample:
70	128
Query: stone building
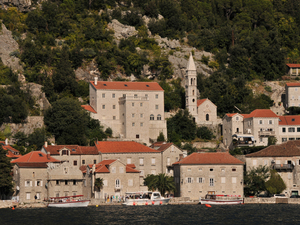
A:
117	177
11	153
292	94
133	110
285	159
289	128
250	129
293	69
208	173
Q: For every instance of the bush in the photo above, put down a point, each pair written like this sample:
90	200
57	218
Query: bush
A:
109	131
268	89
204	133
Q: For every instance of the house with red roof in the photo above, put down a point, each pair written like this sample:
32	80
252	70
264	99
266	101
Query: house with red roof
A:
12	153
118	178
133	110
289	128
285	159
208	173
293	69
250	129
292	94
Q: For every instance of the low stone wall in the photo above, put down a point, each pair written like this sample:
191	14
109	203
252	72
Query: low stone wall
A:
271	200
209	144
7	204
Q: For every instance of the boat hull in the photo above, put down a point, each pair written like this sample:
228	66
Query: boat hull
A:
136	202
71	204
221	202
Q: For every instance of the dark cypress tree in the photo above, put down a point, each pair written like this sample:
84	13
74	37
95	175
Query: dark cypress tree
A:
6	184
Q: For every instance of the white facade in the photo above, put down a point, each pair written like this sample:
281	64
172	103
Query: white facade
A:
292	95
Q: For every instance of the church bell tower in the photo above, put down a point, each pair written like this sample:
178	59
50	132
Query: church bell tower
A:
191	88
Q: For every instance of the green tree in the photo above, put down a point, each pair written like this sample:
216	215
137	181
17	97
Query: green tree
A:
204	133
272	140
164	184
255	180
6	181
161	137
37	138
99	184
275	185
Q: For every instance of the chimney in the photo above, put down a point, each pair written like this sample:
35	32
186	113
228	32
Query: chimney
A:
48	155
96	79
180	157
46	144
6	141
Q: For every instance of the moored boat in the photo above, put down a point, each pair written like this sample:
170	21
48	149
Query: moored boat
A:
68	201
221	199
145	198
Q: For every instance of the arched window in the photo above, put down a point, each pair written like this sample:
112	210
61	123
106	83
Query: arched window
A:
191	81
193	92
158	117
151	117
207	117
117	183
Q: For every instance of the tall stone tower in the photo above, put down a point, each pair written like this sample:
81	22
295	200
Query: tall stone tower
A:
191	88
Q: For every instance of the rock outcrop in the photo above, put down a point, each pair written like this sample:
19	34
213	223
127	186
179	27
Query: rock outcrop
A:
22	5
8	46
121	30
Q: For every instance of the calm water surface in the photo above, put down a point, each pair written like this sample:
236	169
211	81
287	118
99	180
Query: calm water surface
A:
170	214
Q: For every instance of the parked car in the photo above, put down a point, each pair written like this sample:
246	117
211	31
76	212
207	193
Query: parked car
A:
295	196
280	196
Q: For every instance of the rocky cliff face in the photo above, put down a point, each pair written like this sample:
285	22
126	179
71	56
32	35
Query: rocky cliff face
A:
8	46
22	5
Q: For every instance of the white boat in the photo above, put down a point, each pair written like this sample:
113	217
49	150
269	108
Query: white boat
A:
221	200
145	198
68	201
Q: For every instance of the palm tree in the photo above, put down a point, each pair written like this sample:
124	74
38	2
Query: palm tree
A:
98	184
164	184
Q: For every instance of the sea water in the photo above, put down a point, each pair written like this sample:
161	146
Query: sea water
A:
169	214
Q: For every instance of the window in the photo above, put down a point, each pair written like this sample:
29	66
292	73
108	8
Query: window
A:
168	161
121	169
28	195
237	118
103	95
291	139
211	169
137	136
223	180
189	180
83	161
113	95
141	124
75	163
38	195
64	152
146	95
156	96
95	161
105	183
141	161
130	182
270	121
156	106
74	182
132	104
133	124
283	130
200	180
103	106
233	169
114	106
207	117
113	169
66	182
298	129
141	104
132	115
234	180
223	170
158	117
124	95
135	96
142	173
291	129
141	115
27	183
128	160
57	194
39	183
114	117
260	122
237	130
189	169
153	161
211	182
57	182
151	117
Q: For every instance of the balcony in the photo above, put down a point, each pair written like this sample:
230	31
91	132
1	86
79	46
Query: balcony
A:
240	140
283	167
266	133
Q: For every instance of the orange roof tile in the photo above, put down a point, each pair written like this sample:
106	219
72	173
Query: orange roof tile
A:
292	65
121	85
262	113
89	108
230	114
286	149
131	170
102	167
289	120
209	158
74	149
32	165
131	165
200	101
292	84
157	144
12	155
35	157
164	147
122	147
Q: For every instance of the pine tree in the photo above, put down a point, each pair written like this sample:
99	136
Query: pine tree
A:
6	184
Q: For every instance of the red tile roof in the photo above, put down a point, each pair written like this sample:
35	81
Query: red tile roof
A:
11	152
200	101
286	149
89	108
289	120
35	157
102	167
122	147
262	113
292	84
74	149
157	144
231	114
164	147
131	166
210	158
292	65
120	85
32	165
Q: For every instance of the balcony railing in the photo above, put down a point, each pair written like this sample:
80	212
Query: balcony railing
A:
266	133
283	167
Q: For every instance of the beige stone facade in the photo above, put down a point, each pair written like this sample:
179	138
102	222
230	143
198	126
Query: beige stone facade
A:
215	173
292	95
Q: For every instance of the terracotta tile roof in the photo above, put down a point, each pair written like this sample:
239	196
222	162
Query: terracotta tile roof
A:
89	108
131	165
210	158
164	147
286	149
157	144
121	85
32	165
200	101
35	157
292	65
231	114
262	113
131	170
122	147
12	155
74	149
292	84
289	120
102	167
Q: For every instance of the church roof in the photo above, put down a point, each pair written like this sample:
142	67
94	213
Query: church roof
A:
191	63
